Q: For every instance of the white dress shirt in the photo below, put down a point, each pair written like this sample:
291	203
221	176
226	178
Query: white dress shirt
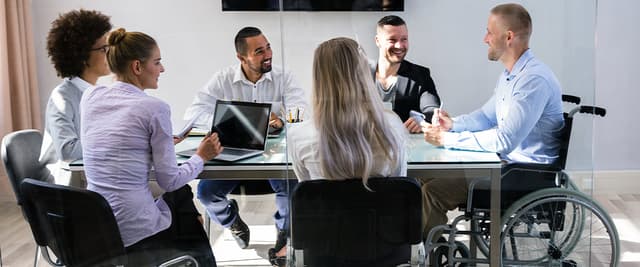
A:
302	144
276	87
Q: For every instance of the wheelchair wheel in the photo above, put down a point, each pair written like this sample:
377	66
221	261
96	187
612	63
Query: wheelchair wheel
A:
440	256
558	227
482	238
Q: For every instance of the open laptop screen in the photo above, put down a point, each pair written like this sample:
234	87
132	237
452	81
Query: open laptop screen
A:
241	124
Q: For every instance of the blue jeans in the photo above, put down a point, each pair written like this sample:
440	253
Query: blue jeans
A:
213	196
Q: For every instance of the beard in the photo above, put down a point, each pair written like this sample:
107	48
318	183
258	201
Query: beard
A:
494	54
264	68
492	57
395	58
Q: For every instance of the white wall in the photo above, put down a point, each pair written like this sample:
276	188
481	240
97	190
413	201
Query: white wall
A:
617	145
196	39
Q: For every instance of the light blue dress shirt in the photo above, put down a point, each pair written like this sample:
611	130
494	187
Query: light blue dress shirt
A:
126	133
523	119
62	126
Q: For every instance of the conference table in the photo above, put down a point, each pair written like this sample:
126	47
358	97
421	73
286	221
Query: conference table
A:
424	161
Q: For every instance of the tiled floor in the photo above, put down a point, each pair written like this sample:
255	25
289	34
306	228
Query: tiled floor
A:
17	246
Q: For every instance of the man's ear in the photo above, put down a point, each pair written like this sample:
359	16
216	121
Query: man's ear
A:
510	35
377	40
240	57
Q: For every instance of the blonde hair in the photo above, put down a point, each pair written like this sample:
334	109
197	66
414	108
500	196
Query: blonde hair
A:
125	47
349	113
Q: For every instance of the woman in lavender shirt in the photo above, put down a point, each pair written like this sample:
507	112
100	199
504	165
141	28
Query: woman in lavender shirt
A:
125	134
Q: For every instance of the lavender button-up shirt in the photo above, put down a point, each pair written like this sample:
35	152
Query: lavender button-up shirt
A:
125	133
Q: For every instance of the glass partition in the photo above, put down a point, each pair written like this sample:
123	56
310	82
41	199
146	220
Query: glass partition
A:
447	37
449	40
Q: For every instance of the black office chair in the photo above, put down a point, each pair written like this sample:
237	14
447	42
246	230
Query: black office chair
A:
342	223
78	226
20	151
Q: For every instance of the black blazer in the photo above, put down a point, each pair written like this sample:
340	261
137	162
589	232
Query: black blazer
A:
419	86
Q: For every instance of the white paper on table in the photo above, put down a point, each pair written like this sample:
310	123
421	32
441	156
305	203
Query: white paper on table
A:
187	127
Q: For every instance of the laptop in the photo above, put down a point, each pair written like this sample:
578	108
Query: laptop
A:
242	128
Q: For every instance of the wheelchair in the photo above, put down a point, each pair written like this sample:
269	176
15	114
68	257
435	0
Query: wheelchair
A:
546	220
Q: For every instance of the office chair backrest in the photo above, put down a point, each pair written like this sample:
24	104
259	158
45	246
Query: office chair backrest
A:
20	153
343	220
78	225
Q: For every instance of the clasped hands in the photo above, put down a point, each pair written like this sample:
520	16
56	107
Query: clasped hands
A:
434	132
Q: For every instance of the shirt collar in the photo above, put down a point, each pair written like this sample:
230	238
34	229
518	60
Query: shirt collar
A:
239	76
80	83
519	66
127	87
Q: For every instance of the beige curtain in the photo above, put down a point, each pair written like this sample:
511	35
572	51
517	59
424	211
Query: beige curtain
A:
19	98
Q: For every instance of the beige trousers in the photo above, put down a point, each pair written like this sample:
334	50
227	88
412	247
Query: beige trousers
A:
439	196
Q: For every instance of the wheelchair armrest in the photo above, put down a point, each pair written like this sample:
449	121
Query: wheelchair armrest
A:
532	167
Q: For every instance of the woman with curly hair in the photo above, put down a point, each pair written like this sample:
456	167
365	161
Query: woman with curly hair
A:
77	46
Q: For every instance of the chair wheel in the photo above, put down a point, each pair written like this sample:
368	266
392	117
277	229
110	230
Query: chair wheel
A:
439	257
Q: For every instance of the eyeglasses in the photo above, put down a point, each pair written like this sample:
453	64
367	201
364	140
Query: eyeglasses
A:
104	49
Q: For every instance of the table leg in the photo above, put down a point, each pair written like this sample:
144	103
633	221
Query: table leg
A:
495	253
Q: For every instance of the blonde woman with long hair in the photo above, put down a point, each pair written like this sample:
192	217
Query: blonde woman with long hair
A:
351	135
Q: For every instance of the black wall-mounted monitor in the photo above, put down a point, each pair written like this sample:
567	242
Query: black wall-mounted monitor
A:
313	5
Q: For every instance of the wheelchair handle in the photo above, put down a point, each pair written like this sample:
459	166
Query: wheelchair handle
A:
571	99
588	109
593	110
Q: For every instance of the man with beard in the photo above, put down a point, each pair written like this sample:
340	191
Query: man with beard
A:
254	80
522	121
403	86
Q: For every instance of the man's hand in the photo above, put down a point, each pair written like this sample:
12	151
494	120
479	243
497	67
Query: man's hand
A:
209	147
274	121
441	119
433	134
412	125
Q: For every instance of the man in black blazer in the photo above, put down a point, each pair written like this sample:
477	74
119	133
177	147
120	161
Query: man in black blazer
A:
403	86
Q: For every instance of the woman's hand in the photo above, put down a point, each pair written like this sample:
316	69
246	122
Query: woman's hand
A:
177	140
209	147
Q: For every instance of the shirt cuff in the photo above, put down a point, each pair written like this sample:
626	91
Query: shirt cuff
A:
449	139
455	125
196	160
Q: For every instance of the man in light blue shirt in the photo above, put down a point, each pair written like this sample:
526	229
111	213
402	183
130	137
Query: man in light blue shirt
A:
521	122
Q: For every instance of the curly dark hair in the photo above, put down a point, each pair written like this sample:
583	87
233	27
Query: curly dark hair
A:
71	38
